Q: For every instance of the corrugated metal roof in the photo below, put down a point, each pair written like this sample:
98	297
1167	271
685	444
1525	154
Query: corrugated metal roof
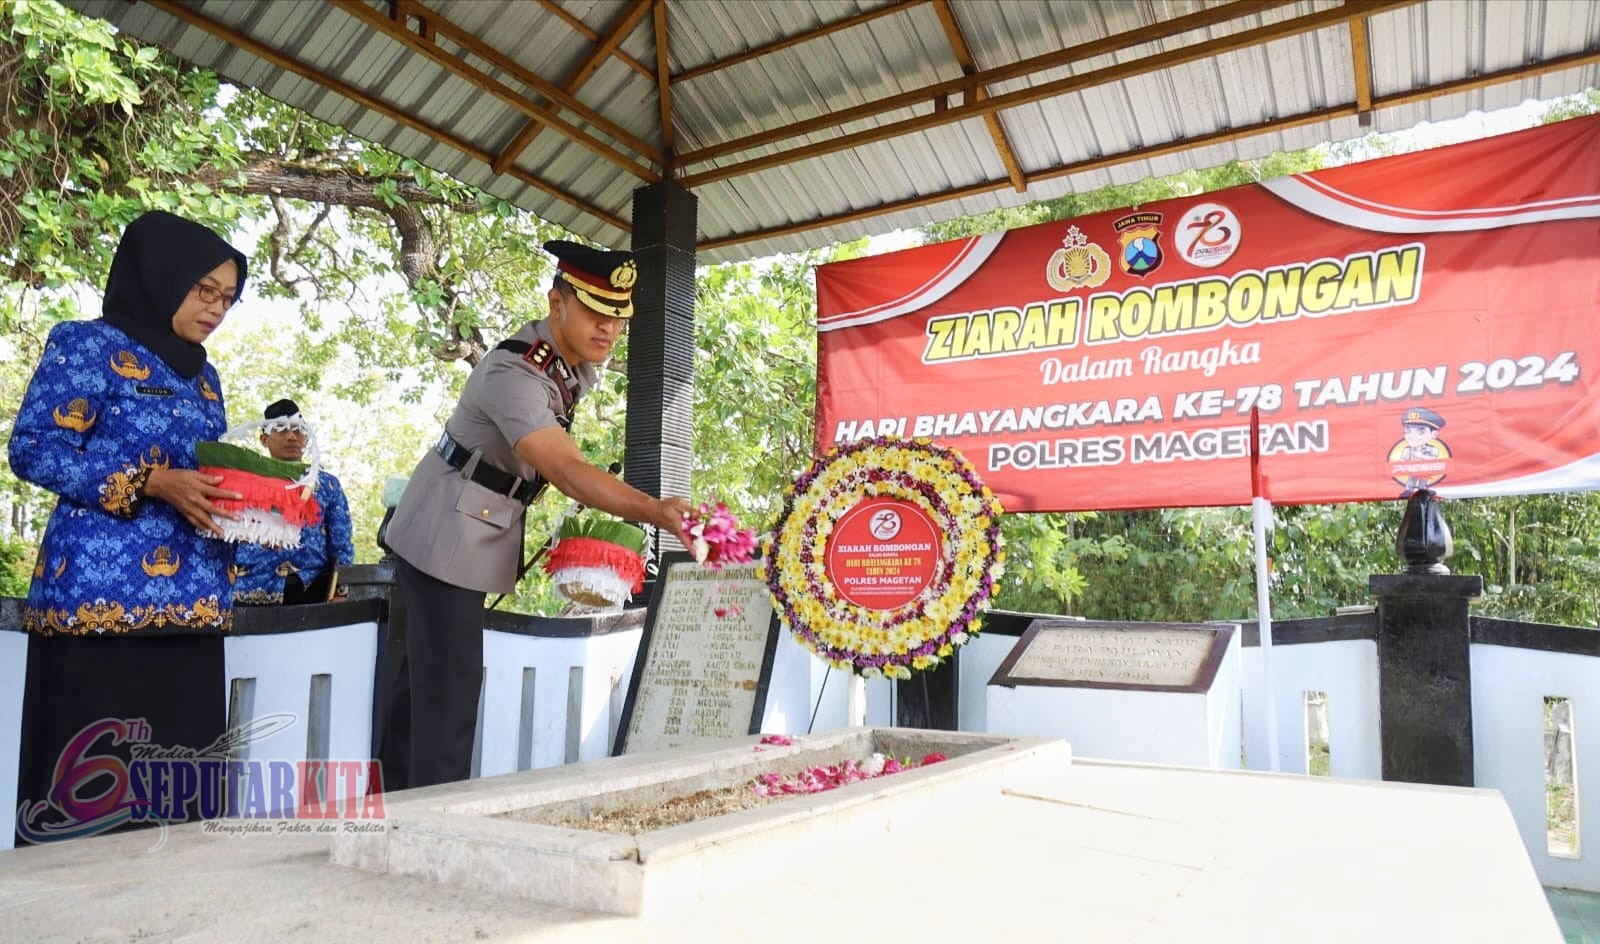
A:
1097	127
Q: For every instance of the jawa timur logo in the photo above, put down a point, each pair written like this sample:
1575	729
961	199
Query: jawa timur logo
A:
1077	264
1419	459
1140	236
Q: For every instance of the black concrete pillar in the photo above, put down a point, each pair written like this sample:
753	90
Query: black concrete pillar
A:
661	345
1424	676
931	699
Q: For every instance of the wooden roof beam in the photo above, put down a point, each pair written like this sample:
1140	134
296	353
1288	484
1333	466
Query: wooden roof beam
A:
428	46
1361	70
969	66
664	85
1350	109
583	29
896	7
630	18
189	15
940	91
975	108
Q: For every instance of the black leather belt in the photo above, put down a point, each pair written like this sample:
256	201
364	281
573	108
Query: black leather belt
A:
491	477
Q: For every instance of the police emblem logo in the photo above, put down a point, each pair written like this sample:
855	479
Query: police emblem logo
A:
1078	263
623	276
1140	237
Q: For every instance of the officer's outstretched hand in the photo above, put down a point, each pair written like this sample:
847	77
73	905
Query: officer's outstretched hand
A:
669	516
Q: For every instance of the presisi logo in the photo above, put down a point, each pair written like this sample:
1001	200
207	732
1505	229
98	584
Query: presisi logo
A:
1208	236
93	792
885	524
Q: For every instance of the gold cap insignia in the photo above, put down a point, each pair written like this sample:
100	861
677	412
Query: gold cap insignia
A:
623	276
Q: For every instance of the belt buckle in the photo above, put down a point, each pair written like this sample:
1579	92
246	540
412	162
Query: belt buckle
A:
443	445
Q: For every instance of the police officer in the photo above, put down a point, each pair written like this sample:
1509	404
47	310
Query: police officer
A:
457	532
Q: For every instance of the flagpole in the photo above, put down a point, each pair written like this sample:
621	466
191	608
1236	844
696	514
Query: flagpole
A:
1261	523
856	701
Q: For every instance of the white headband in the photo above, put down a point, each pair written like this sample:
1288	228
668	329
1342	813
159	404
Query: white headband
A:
279	424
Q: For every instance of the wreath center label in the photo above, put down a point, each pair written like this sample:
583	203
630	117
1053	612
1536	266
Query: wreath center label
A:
883	553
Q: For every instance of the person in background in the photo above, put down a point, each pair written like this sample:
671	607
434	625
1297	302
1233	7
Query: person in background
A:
310	572
457	532
130	593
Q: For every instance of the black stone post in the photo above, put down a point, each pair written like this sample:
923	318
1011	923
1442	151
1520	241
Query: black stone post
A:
1424	656
930	699
660	433
390	747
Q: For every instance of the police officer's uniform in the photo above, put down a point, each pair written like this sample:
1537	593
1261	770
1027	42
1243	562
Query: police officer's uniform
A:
457	532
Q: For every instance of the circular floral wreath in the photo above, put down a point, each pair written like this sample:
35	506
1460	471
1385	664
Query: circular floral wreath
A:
921	633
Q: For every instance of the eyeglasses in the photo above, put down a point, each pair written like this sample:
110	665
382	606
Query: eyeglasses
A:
210	295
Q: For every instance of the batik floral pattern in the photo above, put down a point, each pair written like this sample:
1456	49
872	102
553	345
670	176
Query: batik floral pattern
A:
111	561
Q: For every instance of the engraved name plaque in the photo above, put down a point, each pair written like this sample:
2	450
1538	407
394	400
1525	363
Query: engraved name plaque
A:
705	659
1178	657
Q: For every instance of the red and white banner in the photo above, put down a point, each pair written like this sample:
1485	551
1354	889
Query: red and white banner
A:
1431	319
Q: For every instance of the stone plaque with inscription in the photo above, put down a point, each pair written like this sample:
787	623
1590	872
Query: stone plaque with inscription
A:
1154	693
705	658
1180	657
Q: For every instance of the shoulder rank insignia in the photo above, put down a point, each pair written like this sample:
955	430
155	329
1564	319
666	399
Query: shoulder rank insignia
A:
125	364
77	416
539	355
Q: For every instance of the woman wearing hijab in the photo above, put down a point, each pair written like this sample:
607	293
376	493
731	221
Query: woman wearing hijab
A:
129	597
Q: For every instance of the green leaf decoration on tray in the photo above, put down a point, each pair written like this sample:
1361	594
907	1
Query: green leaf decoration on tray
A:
603	528
229	456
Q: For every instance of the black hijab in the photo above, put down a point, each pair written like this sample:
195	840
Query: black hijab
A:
159	259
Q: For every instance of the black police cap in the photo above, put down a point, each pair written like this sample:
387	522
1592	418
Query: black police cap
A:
602	278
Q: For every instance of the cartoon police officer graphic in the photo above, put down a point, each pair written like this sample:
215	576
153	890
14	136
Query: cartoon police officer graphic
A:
1419	458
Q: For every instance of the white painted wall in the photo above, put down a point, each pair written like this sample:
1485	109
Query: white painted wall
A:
1509	686
13	671
606	662
1347	670
282	666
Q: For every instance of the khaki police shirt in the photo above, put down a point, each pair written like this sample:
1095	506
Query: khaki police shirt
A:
454	529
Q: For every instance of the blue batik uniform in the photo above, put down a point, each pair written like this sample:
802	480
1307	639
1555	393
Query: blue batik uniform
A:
261	570
102	411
